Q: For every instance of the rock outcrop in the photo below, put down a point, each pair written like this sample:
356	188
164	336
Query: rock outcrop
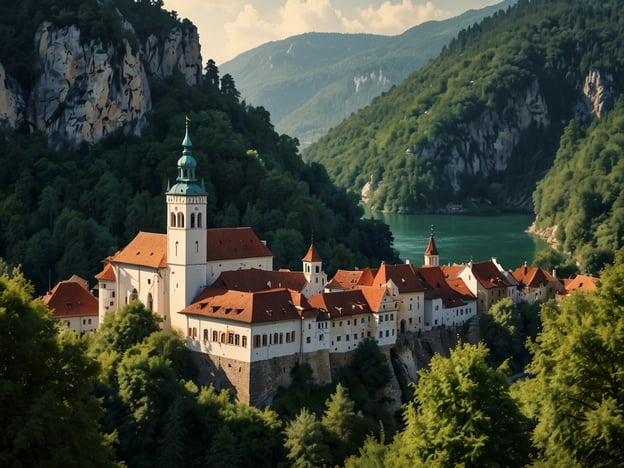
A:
596	95
12	105
88	89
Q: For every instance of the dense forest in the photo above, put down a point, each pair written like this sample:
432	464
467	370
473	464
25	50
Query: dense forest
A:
64	210
125	395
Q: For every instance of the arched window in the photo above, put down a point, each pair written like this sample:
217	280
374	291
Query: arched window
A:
199	220
192	220
134	295
172	222
214	335
150	302
180	220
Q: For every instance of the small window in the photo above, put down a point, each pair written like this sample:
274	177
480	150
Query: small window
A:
308	340
215	335
244	341
205	334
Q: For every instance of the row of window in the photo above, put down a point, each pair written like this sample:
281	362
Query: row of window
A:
177	220
273	339
230	338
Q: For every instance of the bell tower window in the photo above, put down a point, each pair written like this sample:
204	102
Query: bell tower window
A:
172	221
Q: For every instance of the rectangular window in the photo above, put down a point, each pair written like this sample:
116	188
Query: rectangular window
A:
308	339
355	336
380	334
244	341
321	337
205	334
338	338
264	340
237	339
257	341
347	337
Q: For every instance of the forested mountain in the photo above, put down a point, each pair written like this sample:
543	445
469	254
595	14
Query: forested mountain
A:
480	125
311	82
74	192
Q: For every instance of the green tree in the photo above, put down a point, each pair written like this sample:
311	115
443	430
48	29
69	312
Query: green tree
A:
577	396
305	442
462	415
47	413
342	424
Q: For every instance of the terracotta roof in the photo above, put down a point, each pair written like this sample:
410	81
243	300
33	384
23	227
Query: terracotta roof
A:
403	275
374	296
488	275
580	283
233	243
107	274
346	279
431	248
312	255
439	288
533	277
341	303
452	271
71	299
260	280
250	307
146	249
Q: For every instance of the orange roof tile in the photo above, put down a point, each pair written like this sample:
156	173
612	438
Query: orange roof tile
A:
402	275
374	296
233	243
452	271
439	287
312	255
107	274
146	249
488	275
533	277
71	299
431	248
249	307
580	283
341	303
254	279
347	279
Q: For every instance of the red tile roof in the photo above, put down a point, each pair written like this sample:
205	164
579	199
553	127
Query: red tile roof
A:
312	255
233	243
488	275
439	288
71	299
533	277
146	249
403	275
346	279
580	283
374	296
250	307
431	248
341	303
107	274
452	271
260	280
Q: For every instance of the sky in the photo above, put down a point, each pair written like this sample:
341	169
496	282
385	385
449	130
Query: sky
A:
230	27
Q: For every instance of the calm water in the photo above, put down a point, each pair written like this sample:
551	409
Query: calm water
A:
460	238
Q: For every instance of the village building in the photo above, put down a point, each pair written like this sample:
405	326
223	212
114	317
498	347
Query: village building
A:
486	281
580	283
73	305
536	284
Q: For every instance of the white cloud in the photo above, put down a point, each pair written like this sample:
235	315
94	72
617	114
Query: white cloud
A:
394	18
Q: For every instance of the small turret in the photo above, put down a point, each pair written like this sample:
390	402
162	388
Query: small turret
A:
432	256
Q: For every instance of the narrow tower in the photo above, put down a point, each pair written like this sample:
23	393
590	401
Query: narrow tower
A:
432	257
186	235
313	272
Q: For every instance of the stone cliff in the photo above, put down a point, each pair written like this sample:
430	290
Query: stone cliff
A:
87	89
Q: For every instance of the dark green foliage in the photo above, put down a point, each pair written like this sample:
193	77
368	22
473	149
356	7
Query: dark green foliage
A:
505	330
583	193
304	441
462	415
402	141
553	260
577	394
47	412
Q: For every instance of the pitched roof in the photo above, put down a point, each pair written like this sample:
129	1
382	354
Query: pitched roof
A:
439	288
233	243
374	296
533	277
250	307
402	275
489	275
107	274
146	249
341	303
71	299
254	279
346	279
312	255
431	248
580	283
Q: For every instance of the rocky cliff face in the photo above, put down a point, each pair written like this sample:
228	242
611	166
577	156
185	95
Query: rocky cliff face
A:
88	89
596	95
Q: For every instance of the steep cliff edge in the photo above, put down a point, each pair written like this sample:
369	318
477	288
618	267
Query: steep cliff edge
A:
88	88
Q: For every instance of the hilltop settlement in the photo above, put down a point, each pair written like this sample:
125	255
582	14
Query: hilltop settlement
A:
249	325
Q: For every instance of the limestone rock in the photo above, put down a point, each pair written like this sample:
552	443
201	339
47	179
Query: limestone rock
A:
596	97
86	90
180	50
12	104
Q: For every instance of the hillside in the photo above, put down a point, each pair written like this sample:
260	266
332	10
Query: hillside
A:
479	126
92	121
311	82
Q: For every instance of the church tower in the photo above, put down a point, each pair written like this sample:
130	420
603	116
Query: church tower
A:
313	272
186	235
432	257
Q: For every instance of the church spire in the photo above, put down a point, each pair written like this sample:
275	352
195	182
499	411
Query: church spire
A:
432	256
186	182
